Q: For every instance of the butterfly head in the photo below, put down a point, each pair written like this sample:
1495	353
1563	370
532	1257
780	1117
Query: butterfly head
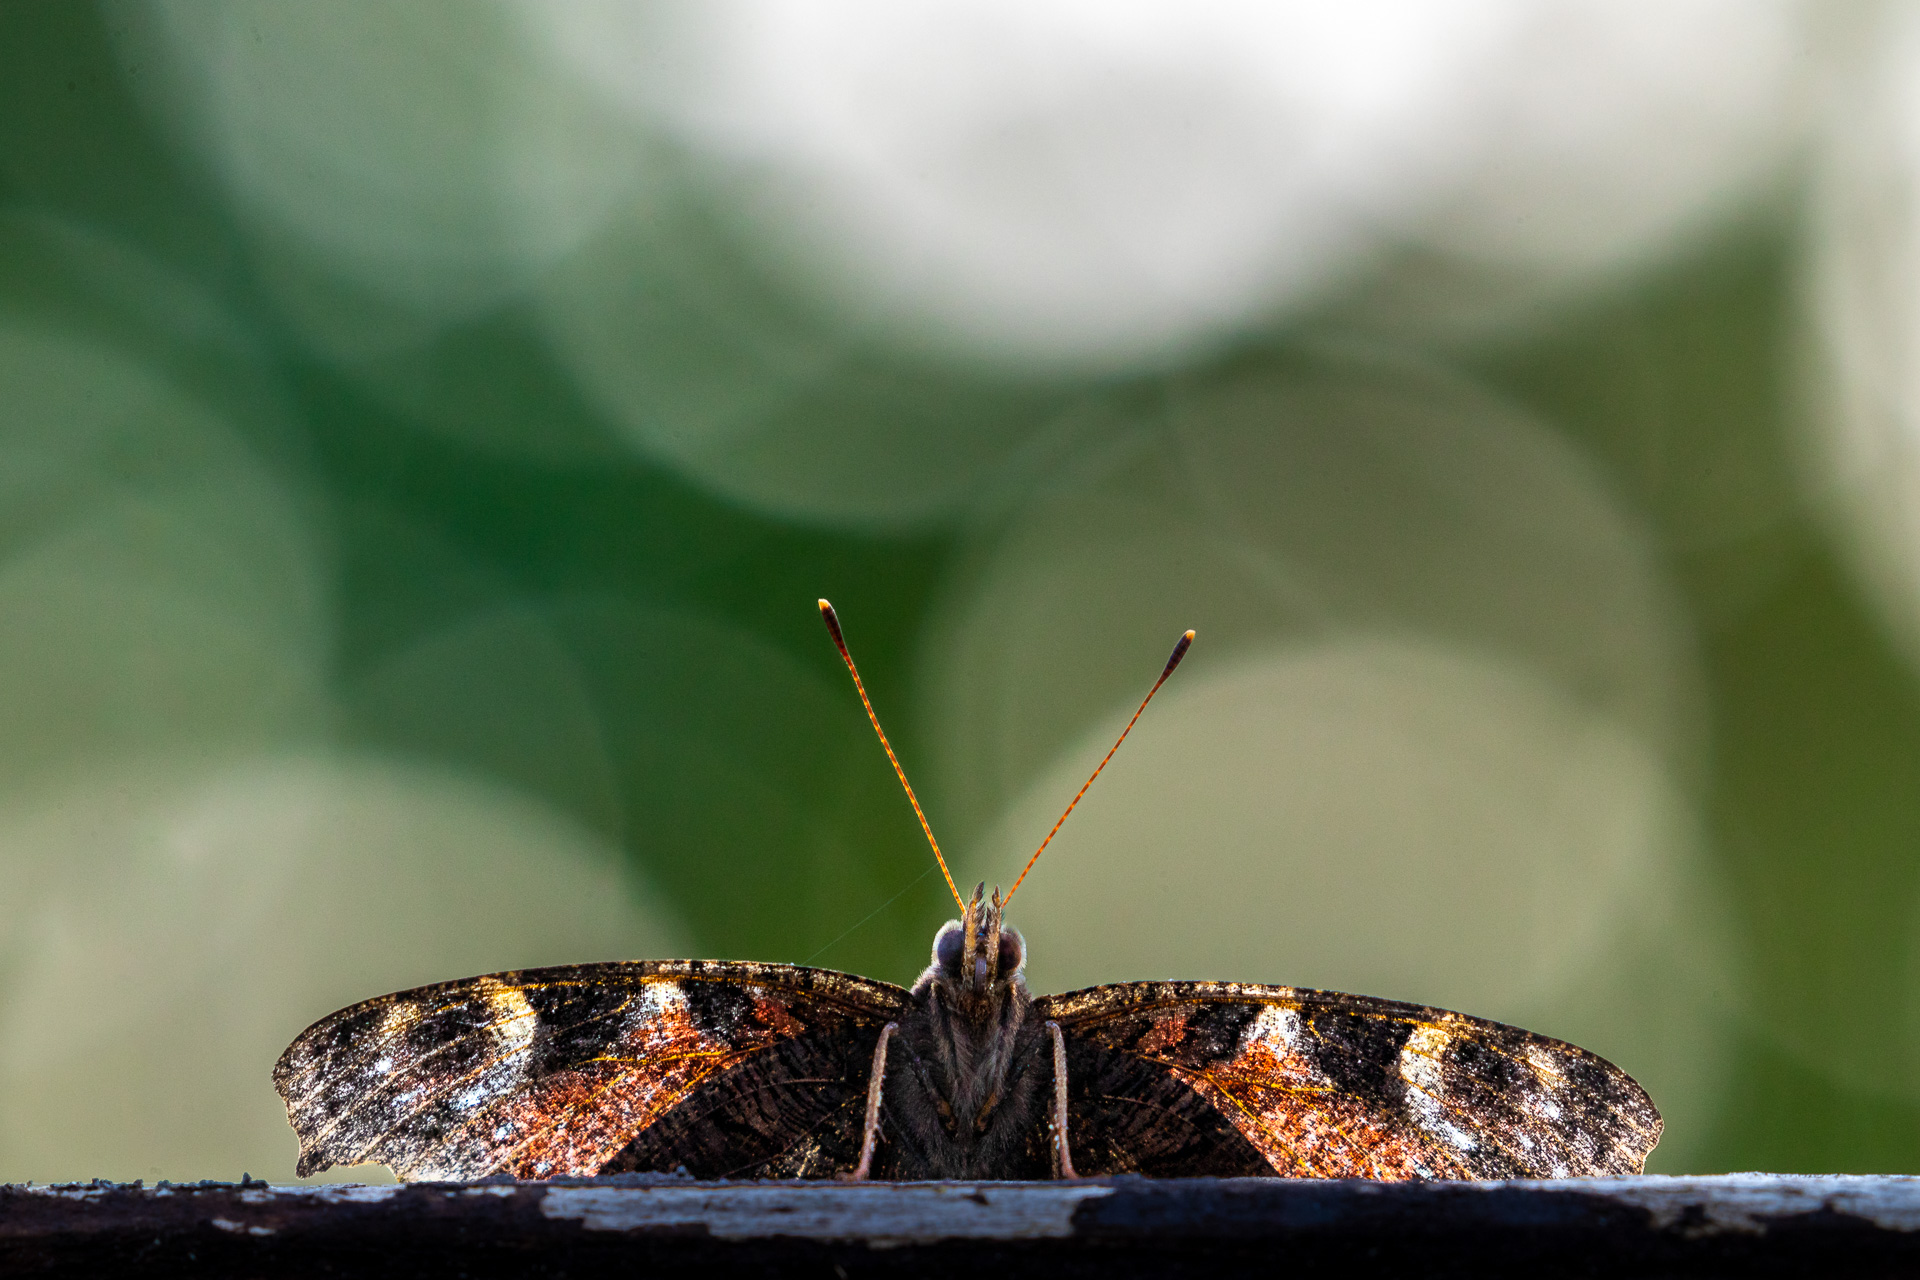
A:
975	954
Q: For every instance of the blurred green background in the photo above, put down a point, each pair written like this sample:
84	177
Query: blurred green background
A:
424	432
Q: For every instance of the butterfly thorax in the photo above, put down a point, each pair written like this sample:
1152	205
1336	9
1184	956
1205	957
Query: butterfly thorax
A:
965	1086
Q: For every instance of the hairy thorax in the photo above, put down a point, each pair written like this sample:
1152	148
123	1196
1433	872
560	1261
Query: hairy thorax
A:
967	1084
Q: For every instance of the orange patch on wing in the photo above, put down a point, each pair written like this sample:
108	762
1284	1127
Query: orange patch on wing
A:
1168	1027
1304	1124
774	1015
573	1122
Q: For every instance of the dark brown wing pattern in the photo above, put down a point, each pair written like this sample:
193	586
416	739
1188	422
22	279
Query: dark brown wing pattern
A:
1230	1078
725	1068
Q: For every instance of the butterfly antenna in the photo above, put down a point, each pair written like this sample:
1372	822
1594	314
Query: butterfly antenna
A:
1179	652
840	642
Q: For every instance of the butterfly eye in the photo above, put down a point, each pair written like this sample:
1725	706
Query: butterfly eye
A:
947	945
1013	952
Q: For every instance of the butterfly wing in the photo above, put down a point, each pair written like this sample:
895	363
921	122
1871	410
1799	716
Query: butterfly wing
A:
727	1069
1228	1078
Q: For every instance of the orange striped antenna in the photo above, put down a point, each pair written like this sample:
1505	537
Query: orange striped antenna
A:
1179	652
840	642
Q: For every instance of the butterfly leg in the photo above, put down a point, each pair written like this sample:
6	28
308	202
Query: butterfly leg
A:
1062	1157
870	1131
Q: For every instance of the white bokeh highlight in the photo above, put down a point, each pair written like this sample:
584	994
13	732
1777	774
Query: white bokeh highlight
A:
1608	131
1091	186
1862	443
1062	182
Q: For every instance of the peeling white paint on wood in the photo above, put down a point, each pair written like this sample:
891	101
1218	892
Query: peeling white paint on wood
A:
1743	1202
880	1213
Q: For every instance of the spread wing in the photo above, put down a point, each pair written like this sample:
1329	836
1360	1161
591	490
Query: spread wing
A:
1229	1078
728	1069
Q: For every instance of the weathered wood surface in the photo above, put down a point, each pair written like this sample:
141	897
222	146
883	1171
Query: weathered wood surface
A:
1742	1225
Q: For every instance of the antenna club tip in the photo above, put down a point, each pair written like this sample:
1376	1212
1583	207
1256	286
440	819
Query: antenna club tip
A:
1173	659
824	606
1187	637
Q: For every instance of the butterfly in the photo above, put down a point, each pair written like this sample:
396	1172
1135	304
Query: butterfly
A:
728	1069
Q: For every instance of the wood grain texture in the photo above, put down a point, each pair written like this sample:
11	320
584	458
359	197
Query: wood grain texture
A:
1111	1229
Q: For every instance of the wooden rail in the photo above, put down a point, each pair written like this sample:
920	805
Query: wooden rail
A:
629	1226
